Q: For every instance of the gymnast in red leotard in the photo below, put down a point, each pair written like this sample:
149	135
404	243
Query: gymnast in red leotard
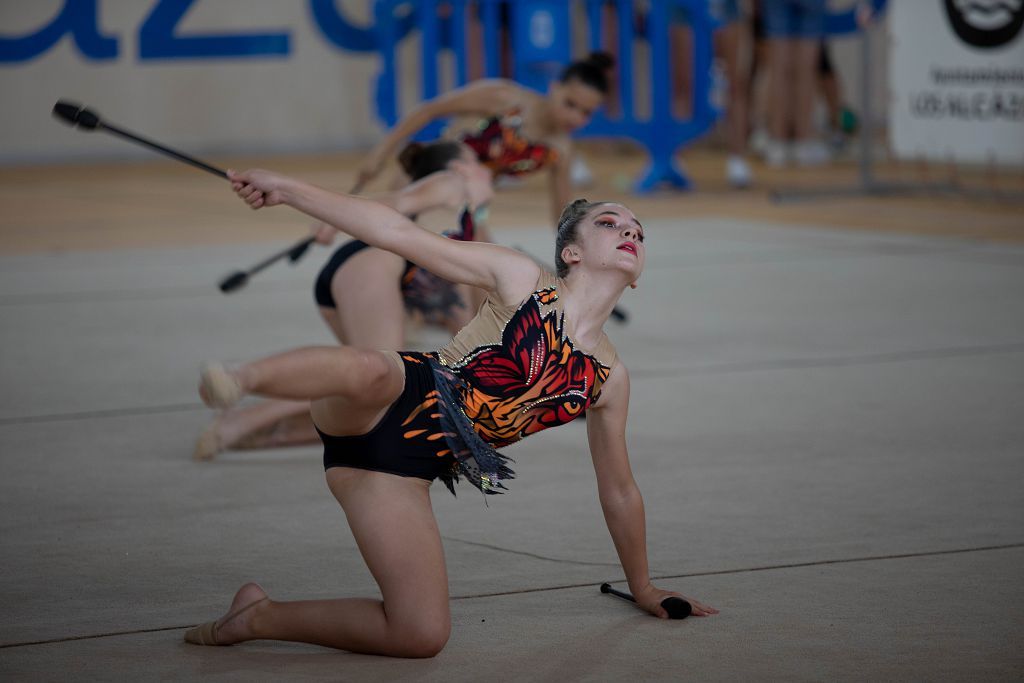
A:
514	130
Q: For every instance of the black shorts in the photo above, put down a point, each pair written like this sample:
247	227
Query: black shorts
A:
322	288
422	291
408	440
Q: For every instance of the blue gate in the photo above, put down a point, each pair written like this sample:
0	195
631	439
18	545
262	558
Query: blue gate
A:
540	32
541	37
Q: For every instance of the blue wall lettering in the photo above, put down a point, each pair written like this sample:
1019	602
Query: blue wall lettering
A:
157	39
77	17
341	32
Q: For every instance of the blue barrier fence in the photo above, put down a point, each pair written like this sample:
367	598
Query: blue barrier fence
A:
541	36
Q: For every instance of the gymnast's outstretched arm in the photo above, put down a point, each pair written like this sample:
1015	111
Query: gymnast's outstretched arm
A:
485	97
504	272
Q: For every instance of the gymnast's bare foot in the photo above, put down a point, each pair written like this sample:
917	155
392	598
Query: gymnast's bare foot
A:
236	625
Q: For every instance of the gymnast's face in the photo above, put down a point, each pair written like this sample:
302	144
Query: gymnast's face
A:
573	104
610	237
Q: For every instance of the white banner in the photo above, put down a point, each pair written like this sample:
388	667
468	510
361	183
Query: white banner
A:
956	77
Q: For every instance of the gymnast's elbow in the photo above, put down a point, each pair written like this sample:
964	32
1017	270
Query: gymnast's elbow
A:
397	234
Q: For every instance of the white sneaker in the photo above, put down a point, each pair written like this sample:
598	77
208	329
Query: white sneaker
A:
580	174
811	153
776	153
738	172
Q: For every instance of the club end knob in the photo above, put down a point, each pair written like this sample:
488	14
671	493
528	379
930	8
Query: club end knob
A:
75	114
67	111
677	608
605	587
233	282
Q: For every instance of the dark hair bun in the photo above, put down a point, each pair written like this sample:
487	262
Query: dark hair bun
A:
592	71
408	157
419	160
600	60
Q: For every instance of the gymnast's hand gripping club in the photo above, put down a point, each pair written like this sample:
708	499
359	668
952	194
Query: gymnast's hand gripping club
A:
677	608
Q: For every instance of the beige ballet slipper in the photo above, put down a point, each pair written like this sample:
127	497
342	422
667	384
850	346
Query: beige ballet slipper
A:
209	443
206	634
218	387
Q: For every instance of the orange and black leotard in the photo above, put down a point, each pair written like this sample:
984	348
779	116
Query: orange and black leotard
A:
513	371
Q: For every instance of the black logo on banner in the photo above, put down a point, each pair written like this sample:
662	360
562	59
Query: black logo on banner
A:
986	23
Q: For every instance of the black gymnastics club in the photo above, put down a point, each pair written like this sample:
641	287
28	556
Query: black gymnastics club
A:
78	116
86	119
677	608
239	278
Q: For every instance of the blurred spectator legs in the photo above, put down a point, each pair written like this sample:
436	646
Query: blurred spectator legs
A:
731	46
732	49
793	29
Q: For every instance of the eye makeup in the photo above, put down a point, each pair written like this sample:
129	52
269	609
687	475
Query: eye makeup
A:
602	221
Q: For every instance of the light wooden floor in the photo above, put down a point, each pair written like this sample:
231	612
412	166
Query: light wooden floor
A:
158	203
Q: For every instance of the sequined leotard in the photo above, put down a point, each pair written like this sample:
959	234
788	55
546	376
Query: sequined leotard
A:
511	372
500	146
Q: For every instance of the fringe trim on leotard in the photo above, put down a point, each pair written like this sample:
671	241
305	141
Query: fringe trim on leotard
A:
433	296
475	459
430	295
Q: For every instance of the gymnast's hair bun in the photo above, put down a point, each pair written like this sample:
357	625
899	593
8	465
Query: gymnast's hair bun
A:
600	60
419	160
592	71
408	157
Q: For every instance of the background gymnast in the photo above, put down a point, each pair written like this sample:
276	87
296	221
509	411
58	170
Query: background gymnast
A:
513	130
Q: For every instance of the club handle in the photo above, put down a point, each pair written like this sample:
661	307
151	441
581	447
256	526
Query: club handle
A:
161	148
285	253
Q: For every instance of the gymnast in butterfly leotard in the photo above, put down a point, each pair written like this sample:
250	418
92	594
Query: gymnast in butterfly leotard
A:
534	357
